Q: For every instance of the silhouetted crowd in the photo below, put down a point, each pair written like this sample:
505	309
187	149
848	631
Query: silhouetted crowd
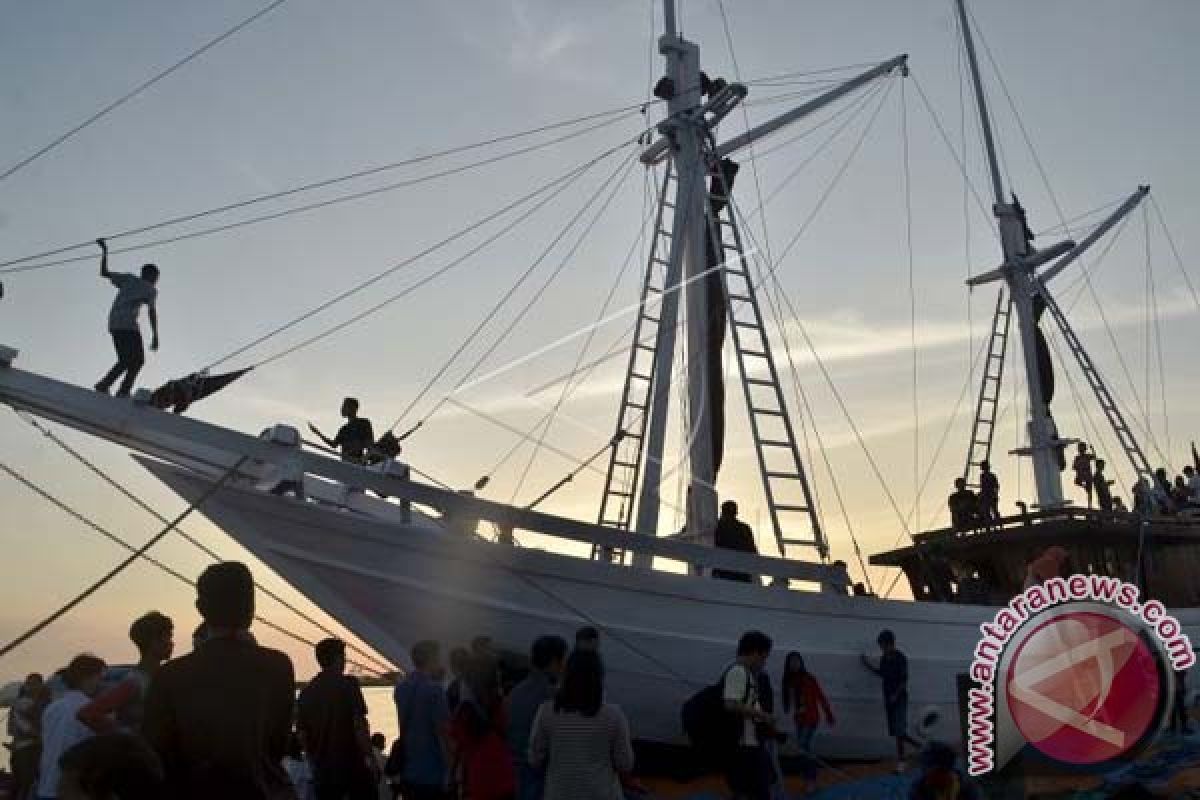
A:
1156	497
225	720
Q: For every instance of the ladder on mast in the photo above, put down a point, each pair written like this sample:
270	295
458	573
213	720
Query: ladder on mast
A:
987	406
785	484
1125	436
628	443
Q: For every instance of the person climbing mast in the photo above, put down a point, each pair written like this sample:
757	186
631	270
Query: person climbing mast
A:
132	293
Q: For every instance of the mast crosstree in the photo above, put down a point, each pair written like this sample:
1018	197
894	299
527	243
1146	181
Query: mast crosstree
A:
1028	300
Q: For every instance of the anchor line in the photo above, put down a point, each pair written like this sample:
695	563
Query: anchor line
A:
138	553
379	666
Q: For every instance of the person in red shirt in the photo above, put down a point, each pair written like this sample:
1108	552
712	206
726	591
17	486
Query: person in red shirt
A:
477	731
803	697
119	708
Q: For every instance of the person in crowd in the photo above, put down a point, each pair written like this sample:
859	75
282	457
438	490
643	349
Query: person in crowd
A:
424	718
989	495
24	726
332	722
893	672
219	717
1102	486
477	733
61	728
748	769
460	659
1160	492
1082	465
1180	494
1143	499
769	736
133	292
939	778
587	638
548	656
806	701
733	534
581	742
298	770
1193	485
964	506
354	439
120	706
379	754
114	766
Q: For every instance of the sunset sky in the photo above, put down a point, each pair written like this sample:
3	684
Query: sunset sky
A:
1104	89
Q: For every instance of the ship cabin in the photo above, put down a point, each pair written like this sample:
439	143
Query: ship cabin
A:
987	566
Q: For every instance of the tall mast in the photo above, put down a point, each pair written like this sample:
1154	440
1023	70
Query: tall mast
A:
1021	281
684	276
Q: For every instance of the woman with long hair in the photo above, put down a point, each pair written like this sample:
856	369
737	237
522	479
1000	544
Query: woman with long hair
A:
477	731
804	698
582	742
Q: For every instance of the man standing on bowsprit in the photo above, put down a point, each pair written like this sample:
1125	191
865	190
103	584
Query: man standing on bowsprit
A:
133	292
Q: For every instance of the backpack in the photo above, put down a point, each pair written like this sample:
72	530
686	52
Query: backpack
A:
712	730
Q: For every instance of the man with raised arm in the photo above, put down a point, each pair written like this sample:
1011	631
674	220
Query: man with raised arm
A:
133	292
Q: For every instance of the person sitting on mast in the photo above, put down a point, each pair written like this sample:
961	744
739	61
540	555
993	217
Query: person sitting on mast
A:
1083	470
964	506
354	438
132	293
989	495
733	534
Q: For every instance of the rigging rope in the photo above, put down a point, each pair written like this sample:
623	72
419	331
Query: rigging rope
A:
119	568
912	301
301	209
187	537
1156	318
1063	221
570	386
625	110
112	537
559	185
622	170
1175	251
125	98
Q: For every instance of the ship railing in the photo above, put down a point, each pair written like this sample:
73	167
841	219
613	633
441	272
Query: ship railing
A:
183	440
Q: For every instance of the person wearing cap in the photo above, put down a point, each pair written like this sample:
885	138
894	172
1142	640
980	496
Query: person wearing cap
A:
893	670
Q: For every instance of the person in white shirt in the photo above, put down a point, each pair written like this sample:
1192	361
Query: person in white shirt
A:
61	727
749	771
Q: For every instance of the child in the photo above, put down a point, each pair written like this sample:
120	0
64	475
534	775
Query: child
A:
802	695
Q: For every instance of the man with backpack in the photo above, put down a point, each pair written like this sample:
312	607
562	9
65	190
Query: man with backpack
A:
748	768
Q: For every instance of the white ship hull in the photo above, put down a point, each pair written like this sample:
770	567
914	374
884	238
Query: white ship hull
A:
667	633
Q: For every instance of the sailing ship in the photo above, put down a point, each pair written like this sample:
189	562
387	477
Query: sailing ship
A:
396	560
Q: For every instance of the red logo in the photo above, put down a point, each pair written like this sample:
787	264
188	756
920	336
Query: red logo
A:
1084	688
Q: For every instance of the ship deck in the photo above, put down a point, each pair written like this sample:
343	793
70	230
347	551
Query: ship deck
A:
987	565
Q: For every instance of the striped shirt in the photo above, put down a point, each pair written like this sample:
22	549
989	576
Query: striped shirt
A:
583	756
